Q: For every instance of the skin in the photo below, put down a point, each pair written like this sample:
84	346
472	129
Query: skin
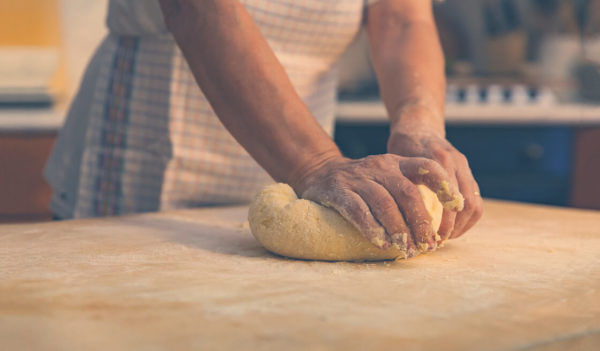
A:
413	90
255	100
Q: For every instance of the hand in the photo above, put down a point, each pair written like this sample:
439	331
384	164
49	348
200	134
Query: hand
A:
420	142
378	195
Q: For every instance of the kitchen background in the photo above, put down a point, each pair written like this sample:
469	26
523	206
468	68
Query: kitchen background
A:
523	98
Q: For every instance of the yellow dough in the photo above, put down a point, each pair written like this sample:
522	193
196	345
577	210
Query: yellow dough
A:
303	229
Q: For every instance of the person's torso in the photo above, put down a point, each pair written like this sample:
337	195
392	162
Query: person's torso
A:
152	140
315	29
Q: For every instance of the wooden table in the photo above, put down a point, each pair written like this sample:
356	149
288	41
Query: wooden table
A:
526	278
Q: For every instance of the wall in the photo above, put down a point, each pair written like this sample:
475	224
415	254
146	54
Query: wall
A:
82	30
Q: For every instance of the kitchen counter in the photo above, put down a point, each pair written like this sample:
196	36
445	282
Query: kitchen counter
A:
31	120
368	112
373	112
526	277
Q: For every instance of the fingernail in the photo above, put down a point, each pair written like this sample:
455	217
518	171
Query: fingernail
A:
403	250
400	242
411	252
433	246
400	238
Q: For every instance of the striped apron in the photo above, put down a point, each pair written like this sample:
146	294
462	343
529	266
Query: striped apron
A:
140	136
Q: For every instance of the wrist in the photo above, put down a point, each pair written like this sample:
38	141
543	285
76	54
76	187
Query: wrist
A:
417	116
300	177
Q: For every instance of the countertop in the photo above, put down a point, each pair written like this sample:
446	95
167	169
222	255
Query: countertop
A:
370	112
572	114
31	120
525	278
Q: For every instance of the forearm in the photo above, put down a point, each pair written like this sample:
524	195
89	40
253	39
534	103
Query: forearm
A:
409	63
247	86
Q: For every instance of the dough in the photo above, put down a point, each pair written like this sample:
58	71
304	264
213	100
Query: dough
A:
303	229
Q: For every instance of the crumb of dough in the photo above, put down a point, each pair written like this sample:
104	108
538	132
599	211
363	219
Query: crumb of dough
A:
456	202
378	242
244	225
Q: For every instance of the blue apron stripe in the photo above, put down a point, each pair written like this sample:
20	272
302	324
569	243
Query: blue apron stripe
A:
113	136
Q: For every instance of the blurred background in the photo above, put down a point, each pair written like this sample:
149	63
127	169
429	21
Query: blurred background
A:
523	96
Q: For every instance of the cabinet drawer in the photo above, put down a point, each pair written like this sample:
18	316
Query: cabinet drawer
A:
543	150
540	188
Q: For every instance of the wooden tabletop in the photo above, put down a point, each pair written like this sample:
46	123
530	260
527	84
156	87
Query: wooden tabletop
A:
526	278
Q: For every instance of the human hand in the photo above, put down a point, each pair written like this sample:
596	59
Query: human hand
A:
378	195
421	142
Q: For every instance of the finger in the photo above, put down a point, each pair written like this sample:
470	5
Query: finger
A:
409	201
473	209
386	212
430	173
354	209
448	220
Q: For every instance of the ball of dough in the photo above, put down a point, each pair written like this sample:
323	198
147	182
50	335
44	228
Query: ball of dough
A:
303	229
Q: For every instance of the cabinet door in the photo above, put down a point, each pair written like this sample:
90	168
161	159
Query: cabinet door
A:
25	194
586	169
532	164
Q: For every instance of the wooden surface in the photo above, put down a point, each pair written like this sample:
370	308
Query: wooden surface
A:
526	278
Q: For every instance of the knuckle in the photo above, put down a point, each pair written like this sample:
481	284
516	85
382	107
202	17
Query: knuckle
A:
337	180
427	162
433	166
386	206
474	208
384	161
413	162
410	192
389	158
375	161
478	212
443	158
462	159
370	158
